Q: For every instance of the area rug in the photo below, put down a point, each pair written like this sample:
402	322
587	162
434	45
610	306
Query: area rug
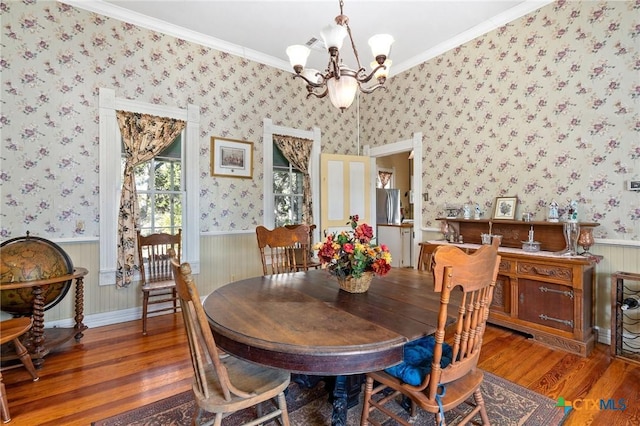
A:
507	404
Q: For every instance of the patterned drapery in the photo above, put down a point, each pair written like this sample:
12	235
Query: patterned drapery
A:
385	177
144	136
298	152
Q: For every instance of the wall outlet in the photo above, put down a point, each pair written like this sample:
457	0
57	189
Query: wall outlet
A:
633	185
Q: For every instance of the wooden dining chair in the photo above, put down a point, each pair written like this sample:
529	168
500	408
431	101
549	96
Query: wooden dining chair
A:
10	331
311	262
439	373
278	249
224	384
158	286
425	257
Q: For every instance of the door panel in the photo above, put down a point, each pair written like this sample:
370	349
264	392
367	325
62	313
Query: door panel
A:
345	190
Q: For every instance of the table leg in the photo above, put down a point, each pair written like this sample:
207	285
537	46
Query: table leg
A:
339	414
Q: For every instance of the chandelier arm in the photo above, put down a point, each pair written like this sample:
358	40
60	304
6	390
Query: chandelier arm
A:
311	83
372	89
367	78
316	95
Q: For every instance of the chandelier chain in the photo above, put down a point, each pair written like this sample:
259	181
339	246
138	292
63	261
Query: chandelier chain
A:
353	45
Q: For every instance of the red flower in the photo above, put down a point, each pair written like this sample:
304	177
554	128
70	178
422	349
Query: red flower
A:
326	251
380	267
364	233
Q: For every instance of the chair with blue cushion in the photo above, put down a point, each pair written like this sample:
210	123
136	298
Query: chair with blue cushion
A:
439	373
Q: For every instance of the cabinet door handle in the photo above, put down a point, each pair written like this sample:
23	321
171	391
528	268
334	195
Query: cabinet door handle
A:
544	289
521	298
544	317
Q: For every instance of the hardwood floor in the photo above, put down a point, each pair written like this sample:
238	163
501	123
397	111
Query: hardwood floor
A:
115	368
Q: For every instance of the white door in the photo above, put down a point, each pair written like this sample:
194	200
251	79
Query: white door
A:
345	191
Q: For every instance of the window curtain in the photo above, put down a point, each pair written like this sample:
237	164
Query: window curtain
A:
385	177
144	136
298	152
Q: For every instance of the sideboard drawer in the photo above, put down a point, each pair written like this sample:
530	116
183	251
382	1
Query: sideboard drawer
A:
546	304
545	271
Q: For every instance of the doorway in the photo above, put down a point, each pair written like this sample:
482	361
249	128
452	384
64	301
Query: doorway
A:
405	146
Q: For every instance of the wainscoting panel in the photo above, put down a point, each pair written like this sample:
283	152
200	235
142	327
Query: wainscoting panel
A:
230	257
224	258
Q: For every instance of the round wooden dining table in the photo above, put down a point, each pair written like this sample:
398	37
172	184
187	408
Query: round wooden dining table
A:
302	322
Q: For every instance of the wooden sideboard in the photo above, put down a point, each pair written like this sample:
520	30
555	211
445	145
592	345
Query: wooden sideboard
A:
544	295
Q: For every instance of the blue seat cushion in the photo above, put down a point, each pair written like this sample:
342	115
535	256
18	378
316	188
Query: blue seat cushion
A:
418	356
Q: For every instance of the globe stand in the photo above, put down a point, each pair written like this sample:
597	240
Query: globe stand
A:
41	341
37	275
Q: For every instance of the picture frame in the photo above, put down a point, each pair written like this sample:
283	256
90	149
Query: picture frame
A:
231	158
505	208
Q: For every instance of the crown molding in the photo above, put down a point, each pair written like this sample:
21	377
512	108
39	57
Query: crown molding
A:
480	29
122	14
116	12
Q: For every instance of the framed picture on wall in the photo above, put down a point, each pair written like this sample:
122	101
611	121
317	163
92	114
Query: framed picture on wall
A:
231	158
505	208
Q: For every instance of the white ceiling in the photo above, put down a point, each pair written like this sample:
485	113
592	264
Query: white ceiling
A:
261	30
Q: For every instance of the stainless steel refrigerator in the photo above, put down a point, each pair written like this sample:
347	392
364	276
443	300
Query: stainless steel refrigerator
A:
388	206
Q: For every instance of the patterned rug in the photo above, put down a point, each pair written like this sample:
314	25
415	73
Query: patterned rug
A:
508	404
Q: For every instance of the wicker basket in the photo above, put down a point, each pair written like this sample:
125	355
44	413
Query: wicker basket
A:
356	285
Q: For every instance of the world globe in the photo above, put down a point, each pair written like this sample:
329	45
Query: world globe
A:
28	258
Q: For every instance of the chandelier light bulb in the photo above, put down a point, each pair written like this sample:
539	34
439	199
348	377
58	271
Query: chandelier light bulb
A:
380	46
342	91
333	36
298	55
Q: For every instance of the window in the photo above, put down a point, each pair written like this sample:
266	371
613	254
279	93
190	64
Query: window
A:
385	178
269	169
111	178
160	191
287	190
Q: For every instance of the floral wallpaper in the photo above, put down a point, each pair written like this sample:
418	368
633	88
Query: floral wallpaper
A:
54	60
545	108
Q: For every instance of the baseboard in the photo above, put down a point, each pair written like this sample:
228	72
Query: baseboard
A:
108	318
102	319
604	335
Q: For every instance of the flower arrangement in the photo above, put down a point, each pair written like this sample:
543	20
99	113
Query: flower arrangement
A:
351	253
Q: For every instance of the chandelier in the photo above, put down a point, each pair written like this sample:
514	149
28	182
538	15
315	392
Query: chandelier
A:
338	80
